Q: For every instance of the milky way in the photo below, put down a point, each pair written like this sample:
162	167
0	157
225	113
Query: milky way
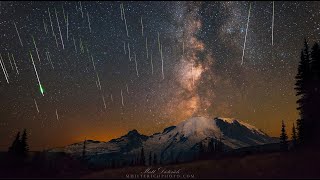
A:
110	67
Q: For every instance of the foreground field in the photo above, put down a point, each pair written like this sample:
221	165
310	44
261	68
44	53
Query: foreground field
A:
296	164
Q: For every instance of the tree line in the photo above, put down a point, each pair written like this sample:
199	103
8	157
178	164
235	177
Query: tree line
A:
19	147
307	89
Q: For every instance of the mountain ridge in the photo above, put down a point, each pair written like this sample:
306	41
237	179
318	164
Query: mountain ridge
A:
180	141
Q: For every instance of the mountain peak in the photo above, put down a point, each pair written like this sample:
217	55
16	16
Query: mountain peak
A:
133	132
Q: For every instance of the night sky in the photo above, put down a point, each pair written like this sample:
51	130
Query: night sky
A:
199	71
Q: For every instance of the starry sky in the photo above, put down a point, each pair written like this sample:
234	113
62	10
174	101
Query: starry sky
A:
110	67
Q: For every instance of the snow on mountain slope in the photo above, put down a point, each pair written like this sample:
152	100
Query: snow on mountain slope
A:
182	141
175	142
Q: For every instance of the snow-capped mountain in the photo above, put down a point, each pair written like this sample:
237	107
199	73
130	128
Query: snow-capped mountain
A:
175	142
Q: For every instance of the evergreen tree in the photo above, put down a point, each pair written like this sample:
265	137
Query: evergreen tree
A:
155	160
150	159
211	145
84	149
294	136
283	138
301	87
15	145
24	148
201	150
313	123
142	157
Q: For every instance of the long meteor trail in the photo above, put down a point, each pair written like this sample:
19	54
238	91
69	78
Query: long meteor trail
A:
124	47
54	35
74	43
147	47
81	9
122	98
272	20
159	42
151	63
4	65
125	21
99	84
35	46
245	37
10	61
35	70
59	28
141	26
45	26
129	52
89	24
121	12
67	26
3	68
17	33
135	60
104	102
161	62
14	61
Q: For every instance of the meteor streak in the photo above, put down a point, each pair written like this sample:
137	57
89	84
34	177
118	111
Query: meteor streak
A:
81	46
245	37
99	84
151	63
122	98
135	60
129	52
141	26
10	61
89	21
94	67
147	47
162	62
125	21
14	61
35	70
74	43
35	102
35	45
104	102
45	26
272	20
121	12
49	59
81	9
67	26
64	15
124	47
54	35
159	42
127	88
59	28
3	68
17	33
57	115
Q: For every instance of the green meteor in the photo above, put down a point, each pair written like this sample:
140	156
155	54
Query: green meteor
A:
41	89
35	70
